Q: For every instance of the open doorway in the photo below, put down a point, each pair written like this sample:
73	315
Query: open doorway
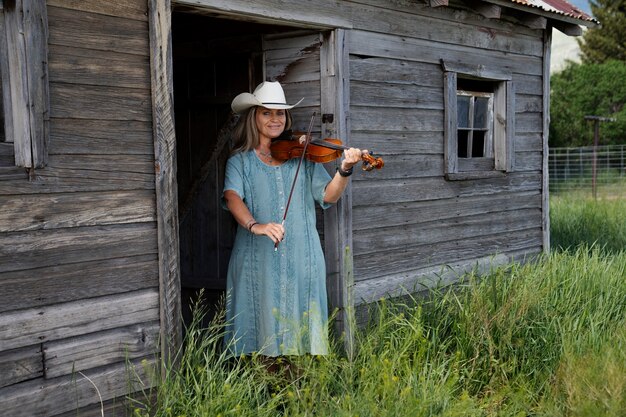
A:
214	59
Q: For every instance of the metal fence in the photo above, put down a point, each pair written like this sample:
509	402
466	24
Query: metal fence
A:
598	170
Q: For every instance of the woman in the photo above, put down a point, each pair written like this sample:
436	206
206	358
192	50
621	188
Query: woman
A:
276	299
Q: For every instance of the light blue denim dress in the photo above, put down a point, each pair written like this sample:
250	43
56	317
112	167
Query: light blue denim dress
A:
276	300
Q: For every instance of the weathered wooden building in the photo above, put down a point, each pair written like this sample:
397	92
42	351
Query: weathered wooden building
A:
116	120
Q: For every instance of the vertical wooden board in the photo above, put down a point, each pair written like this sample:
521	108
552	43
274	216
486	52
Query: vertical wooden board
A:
36	39
545	186
335	94
18	83
6	85
160	27
450	124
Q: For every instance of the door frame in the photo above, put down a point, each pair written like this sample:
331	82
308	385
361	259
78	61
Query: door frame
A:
337	219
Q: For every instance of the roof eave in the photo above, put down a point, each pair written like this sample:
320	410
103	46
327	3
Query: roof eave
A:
544	13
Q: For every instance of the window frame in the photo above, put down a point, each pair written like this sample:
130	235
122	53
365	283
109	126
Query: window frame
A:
502	161
25	86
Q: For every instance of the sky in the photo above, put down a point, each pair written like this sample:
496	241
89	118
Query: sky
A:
582	5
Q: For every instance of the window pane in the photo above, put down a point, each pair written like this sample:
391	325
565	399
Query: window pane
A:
478	144
463	105
462	143
481	107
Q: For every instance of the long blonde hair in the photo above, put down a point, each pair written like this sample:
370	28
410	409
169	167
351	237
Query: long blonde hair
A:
246	134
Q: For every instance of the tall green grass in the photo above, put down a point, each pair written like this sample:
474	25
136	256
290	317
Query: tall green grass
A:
543	339
578	219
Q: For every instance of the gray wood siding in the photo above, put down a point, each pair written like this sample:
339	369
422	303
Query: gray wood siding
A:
407	219
78	245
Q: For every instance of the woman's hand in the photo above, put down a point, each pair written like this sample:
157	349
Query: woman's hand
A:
351	157
274	231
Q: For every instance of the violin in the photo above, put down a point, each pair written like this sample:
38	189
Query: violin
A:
290	145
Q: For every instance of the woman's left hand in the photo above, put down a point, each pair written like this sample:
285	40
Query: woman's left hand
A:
351	157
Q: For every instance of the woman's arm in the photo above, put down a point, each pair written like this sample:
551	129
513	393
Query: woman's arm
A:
242	215
338	184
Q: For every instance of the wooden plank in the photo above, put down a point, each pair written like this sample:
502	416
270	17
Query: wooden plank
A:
15	84
459	12
385	119
42	248
55	211
5	80
19	365
528	123
101	137
11	174
569	28
72	282
35	32
76	28
60	321
324	14
41	398
528	142
368	193
545	185
335	83
528	84
386	215
399	72
80	179
404	166
102	68
67	356
390	143
160	25
450	140
7	155
525	103
74	101
423	50
411	282
135	9
478	71
128	165
438	3
528	161
404	260
373	94
458	228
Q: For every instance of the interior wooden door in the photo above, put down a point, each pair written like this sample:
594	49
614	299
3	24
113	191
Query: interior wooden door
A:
209	70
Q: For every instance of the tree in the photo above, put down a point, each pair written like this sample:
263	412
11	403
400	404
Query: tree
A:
607	41
588	89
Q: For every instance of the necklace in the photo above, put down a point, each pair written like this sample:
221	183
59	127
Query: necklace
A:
268	155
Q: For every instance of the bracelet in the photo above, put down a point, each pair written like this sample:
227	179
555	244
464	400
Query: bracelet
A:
250	223
343	173
251	226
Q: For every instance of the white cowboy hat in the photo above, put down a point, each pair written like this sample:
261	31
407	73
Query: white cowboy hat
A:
267	94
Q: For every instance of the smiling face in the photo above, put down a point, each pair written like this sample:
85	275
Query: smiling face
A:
270	122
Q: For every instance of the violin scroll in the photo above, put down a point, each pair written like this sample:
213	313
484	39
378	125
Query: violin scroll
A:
371	162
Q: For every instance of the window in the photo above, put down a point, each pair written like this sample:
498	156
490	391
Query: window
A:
24	83
479	122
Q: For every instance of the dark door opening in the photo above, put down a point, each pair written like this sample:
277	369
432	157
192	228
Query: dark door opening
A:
213	60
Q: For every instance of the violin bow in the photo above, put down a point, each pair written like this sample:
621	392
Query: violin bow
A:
293	184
